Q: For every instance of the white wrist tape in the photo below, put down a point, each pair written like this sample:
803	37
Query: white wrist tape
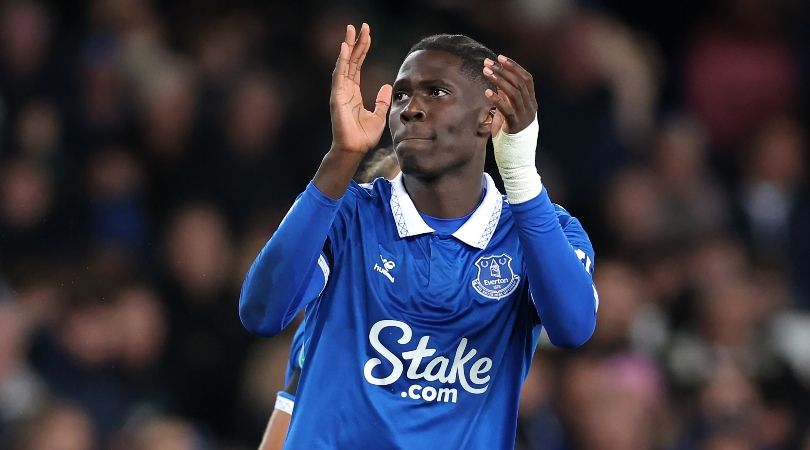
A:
514	154
284	404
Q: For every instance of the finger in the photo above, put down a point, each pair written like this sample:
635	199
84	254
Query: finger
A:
528	80
514	74
504	107
366	48
359	53
341	67
383	101
349	40
510	83
351	34
506	90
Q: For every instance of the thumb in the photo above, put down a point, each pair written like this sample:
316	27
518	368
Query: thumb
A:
383	101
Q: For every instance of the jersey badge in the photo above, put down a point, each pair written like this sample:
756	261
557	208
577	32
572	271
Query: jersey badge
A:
495	279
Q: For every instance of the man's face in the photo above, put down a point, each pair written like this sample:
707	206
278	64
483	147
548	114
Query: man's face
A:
436	115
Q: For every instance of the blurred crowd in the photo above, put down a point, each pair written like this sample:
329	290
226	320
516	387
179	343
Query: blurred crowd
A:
148	149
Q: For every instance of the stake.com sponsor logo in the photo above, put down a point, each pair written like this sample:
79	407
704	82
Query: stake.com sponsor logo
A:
474	379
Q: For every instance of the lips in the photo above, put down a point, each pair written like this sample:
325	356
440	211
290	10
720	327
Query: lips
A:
399	140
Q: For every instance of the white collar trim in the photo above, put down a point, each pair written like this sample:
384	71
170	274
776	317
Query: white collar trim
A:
476	231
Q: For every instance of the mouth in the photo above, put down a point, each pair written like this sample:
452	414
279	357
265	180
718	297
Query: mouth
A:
399	141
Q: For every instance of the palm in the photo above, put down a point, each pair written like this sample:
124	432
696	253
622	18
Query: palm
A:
354	128
352	124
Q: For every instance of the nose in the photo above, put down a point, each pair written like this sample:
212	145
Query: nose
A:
412	111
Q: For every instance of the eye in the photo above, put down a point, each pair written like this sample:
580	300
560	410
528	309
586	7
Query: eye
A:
437	92
399	96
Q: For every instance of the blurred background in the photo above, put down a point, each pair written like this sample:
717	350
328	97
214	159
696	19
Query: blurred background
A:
148	149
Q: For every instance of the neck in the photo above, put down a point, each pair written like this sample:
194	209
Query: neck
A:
449	196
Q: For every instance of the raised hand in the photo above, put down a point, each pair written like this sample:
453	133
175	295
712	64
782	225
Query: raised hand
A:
514	101
354	128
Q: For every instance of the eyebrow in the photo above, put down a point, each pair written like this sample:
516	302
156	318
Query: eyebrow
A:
422	83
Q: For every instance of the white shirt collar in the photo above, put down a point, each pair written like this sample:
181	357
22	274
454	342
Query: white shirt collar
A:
476	231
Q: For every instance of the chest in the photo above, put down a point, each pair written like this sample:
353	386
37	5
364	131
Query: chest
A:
431	276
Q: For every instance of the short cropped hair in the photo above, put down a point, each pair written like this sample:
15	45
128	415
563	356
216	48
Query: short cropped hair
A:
471	52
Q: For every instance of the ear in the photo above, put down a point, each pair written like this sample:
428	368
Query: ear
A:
485	122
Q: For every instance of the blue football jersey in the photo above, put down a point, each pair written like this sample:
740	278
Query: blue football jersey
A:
418	340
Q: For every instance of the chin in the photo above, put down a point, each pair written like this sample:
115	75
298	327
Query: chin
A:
408	155
418	170
408	164
415	160
411	166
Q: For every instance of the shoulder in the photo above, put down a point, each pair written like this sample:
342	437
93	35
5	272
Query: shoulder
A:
365	198
564	216
570	224
574	230
378	189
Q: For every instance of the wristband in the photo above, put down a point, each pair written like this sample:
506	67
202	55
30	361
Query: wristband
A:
284	402
515	156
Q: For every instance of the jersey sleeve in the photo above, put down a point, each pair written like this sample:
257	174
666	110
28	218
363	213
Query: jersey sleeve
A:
581	243
293	267
558	261
577	238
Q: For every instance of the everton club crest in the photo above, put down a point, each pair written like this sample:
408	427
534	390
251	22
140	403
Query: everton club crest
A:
495	279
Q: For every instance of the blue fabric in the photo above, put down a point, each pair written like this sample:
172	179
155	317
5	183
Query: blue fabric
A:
562	291
276	285
286	395
445	227
408	347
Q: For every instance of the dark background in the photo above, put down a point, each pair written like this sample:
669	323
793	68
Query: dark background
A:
148	150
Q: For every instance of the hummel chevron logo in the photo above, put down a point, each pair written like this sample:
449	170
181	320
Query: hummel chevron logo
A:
387	266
